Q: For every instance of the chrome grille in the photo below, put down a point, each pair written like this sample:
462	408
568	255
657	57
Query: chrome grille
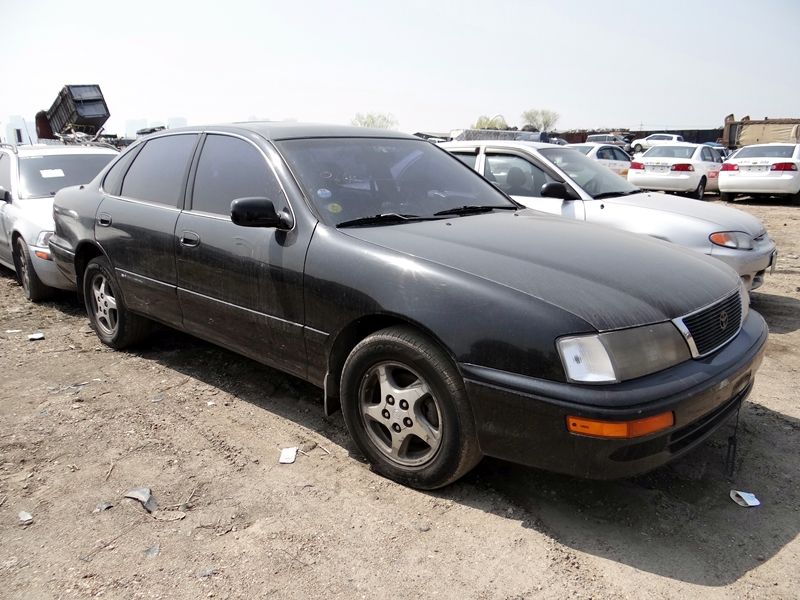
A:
713	326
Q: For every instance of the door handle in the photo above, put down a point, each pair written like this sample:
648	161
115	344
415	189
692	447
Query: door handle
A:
189	239
104	220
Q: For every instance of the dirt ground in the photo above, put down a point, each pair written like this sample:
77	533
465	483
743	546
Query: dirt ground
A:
81	424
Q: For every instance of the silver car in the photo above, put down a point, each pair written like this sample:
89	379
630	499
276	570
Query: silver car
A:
562	181
29	178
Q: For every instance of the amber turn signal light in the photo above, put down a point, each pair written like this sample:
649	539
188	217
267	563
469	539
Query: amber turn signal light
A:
620	429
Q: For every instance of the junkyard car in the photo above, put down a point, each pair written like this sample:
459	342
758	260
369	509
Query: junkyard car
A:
689	168
607	155
762	169
29	178
589	192
447	321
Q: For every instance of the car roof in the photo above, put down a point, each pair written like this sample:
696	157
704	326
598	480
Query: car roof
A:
593	144
501	143
278	130
681	144
53	149
770	144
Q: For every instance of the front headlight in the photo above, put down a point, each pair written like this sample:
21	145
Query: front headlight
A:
43	238
732	239
621	355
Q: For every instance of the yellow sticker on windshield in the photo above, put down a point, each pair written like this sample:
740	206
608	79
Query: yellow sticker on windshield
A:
334	207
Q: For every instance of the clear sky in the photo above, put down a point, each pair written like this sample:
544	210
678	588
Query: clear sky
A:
434	65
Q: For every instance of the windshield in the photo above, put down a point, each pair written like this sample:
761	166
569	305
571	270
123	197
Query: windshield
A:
43	176
592	176
582	149
765	152
352	178
670	152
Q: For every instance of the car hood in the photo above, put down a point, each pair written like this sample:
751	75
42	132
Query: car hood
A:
610	279
723	218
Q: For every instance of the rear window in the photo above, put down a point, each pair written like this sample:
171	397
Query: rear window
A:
582	149
766	152
43	176
670	152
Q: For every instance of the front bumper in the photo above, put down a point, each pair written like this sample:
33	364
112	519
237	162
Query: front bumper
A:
752	265
523	420
47	270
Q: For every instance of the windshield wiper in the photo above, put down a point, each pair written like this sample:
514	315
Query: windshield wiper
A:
472	210
382	219
615	194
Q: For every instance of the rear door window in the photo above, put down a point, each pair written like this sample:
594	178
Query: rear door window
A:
231	168
159	171
620	155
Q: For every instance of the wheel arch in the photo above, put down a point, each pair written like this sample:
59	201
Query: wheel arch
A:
354	332
85	252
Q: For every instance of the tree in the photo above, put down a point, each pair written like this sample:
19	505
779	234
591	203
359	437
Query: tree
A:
376	120
496	122
542	120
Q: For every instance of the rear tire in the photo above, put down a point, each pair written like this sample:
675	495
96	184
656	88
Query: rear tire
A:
700	191
111	320
32	286
727	196
406	408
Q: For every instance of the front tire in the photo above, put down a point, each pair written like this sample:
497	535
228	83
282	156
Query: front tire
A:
406	408
113	323
32	286
726	196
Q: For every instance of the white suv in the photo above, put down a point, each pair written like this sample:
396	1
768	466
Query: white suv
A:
655	139
29	178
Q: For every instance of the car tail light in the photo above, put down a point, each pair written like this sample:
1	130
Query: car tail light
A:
785	166
620	429
636	166
681	167
729	167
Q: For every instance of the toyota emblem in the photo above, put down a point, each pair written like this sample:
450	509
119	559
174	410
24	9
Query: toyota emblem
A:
723	320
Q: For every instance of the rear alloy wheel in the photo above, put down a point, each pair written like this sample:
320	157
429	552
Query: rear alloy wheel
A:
114	324
700	191
406	409
33	287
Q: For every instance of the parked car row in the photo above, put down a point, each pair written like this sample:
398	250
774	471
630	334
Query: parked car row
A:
562	181
678	167
444	318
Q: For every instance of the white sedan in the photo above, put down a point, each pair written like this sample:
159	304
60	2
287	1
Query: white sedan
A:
655	139
611	156
681	167
772	169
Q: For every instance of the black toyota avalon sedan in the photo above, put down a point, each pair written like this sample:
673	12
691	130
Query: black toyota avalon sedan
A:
445	320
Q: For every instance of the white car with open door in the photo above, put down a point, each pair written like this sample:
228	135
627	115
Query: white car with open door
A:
769	169
562	181
610	156
687	168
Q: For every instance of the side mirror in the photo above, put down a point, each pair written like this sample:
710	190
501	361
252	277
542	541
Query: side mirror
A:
259	212
556	189
5	195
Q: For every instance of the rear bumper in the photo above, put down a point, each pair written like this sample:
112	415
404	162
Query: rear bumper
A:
523	420
769	183
671	182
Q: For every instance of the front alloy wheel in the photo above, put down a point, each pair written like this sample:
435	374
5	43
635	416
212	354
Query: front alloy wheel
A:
400	413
